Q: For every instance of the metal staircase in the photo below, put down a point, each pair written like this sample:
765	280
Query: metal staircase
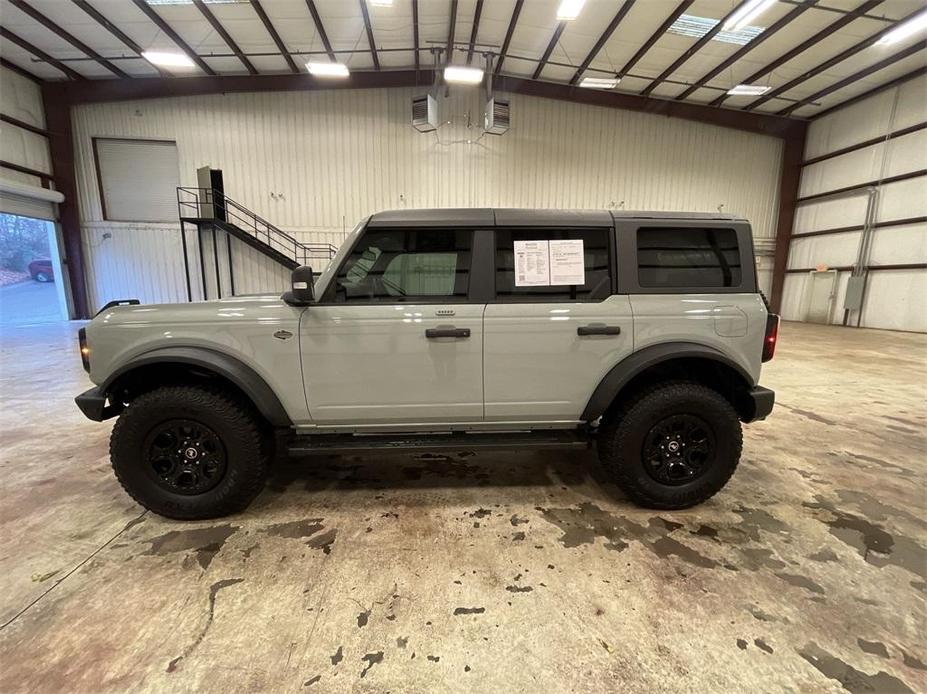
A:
212	213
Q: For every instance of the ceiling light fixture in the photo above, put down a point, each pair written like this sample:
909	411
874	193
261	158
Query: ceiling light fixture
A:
328	69
909	28
167	59
599	82
569	9
456	74
381	3
749	11
748	90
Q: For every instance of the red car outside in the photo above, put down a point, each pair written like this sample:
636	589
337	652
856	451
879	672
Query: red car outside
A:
41	270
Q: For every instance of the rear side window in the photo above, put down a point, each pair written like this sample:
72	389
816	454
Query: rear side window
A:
688	257
552	265
394	265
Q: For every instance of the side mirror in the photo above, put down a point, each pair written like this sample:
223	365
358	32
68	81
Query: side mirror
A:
302	292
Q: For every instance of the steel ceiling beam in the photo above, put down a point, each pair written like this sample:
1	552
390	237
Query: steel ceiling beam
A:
173	35
861	74
369	27
62	34
692	50
229	41
550	49
22	72
508	34
474	32
320	28
824	33
115	31
740	53
39	53
603	39
914	74
656	36
452	28
839	58
269	26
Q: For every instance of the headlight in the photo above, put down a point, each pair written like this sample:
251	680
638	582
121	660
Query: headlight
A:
84	349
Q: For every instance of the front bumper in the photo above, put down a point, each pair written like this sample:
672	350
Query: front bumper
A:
93	404
762	400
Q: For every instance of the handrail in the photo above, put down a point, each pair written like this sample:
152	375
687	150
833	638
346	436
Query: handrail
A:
192	199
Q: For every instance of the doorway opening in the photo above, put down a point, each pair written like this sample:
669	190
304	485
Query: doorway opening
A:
31	280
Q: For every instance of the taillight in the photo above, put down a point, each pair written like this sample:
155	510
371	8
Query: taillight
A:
772	335
84	349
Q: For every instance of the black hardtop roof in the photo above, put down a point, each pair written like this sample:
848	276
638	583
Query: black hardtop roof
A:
511	216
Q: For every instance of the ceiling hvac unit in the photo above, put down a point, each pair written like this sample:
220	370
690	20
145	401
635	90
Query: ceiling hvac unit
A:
497	118
424	113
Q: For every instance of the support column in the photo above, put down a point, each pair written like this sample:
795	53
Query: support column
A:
789	180
61	149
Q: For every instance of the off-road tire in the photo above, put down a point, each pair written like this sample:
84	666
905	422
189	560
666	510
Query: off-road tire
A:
247	443
622	434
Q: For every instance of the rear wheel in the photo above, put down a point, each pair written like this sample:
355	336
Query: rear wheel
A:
672	446
189	452
41	276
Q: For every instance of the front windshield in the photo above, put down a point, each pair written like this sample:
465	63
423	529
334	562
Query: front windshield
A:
325	277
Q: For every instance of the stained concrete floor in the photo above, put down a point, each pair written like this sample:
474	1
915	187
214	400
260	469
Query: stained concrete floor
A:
517	572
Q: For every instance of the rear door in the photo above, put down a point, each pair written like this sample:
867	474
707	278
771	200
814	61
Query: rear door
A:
397	338
694	281
556	325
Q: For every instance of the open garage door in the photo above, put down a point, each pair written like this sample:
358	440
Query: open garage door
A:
27	200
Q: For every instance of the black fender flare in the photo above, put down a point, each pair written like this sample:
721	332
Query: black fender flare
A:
622	373
219	363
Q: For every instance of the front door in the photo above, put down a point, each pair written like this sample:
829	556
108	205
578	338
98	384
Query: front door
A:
556	327
396	340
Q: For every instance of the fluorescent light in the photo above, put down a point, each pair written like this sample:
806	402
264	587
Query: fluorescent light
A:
463	75
697	27
599	82
747	12
748	90
570	9
327	69
167	59
912	26
382	3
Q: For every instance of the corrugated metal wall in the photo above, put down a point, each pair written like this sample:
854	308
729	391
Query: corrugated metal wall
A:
22	99
893	299
314	163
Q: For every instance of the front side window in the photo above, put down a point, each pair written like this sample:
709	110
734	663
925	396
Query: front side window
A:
688	257
546	264
394	265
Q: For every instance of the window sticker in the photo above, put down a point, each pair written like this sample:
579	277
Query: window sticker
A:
532	264
567	264
549	263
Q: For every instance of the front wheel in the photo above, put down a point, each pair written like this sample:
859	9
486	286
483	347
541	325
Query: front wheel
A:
672	446
189	452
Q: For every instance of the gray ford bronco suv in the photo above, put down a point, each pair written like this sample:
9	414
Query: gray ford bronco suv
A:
640	333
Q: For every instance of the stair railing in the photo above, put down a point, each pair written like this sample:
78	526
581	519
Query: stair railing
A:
208	203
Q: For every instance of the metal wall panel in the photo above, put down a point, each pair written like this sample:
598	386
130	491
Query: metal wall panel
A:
314	163
22	99
889	302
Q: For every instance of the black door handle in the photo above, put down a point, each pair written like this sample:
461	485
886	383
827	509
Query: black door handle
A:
431	333
598	330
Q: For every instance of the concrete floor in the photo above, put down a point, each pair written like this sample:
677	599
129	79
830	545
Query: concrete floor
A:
519	572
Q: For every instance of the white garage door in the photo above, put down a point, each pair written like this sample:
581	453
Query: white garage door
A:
27	200
138	179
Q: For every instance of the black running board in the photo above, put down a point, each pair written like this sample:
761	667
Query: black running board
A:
310	444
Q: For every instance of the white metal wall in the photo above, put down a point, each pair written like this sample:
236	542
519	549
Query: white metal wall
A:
315	163
894	299
22	99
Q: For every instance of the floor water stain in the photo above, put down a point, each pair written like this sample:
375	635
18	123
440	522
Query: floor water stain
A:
849	677
206	541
